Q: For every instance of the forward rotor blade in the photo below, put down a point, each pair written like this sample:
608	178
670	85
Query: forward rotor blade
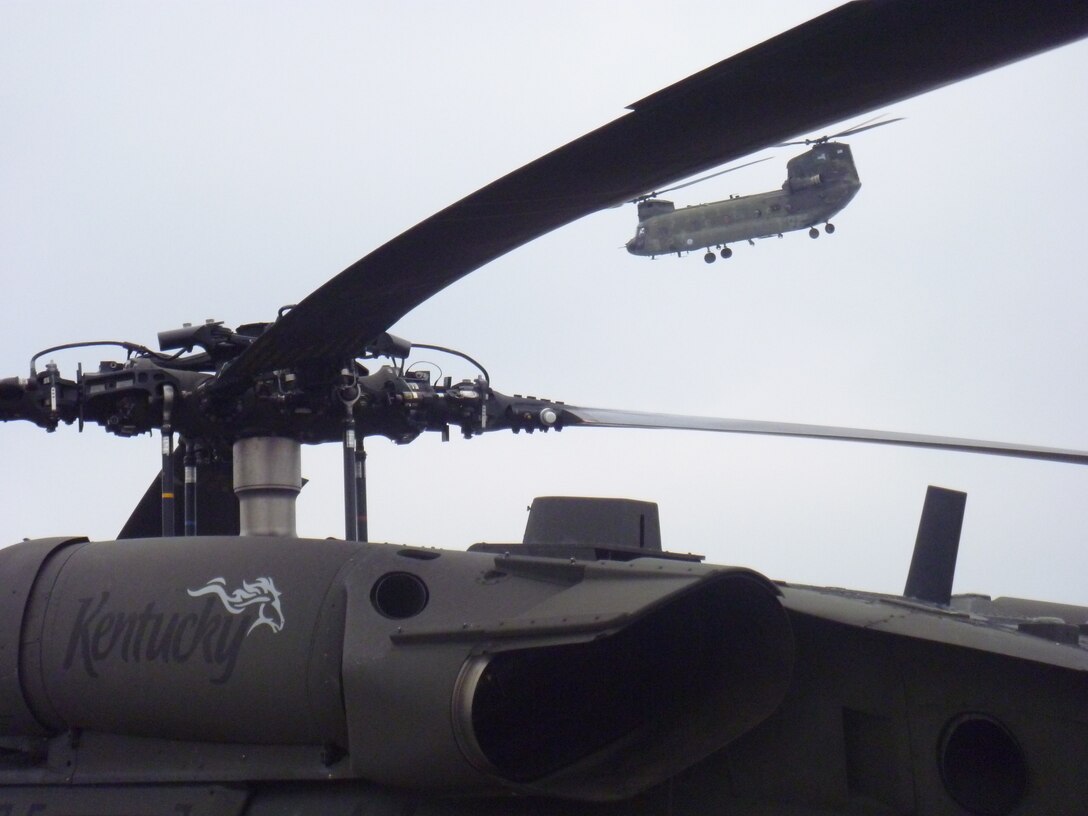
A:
610	418
696	181
858	57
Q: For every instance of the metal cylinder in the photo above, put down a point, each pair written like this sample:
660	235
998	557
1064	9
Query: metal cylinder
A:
267	480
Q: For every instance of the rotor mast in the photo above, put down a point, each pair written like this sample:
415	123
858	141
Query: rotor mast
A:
267	481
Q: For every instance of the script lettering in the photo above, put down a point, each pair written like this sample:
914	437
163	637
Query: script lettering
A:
101	634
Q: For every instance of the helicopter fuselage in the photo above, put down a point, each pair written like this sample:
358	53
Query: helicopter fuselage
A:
276	675
819	183
261	659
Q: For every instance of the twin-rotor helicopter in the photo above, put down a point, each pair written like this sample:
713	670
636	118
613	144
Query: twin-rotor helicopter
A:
819	183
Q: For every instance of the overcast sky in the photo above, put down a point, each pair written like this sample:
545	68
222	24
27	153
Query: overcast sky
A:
171	162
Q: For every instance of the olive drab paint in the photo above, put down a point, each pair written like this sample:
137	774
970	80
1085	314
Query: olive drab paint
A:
191	631
339	647
819	183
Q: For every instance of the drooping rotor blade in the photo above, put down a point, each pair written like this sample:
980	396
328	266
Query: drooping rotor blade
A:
656	193
611	418
861	56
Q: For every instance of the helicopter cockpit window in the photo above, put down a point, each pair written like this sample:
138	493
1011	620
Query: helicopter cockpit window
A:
821	155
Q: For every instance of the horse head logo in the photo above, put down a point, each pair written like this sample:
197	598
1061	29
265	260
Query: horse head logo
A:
260	592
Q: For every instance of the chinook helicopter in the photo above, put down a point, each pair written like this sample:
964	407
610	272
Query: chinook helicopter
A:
582	670
819	183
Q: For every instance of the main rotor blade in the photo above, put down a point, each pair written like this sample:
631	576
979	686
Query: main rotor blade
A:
861	56
610	418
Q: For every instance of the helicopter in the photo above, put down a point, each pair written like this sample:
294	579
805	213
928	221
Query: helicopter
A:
136	673
819	183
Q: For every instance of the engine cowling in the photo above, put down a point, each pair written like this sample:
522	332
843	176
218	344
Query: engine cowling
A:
182	639
461	672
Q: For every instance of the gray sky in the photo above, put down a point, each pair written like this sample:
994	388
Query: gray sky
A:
163	163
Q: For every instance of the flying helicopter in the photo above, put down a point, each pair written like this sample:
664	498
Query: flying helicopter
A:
819	183
90	748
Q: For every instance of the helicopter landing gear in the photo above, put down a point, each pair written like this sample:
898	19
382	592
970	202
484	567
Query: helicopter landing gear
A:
726	252
813	232
710	257
829	228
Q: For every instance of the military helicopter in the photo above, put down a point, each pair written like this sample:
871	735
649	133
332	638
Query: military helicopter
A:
583	670
819	183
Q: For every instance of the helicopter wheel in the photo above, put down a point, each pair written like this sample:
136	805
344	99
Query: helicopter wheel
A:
829	228
813	232
710	257
726	252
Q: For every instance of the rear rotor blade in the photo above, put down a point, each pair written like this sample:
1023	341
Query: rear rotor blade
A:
610	418
860	128
856	58
849	132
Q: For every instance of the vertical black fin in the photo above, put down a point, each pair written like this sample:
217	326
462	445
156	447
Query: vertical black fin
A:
218	506
933	565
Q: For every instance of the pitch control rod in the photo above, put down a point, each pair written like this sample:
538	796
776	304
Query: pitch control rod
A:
349	395
167	462
360	489
190	462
